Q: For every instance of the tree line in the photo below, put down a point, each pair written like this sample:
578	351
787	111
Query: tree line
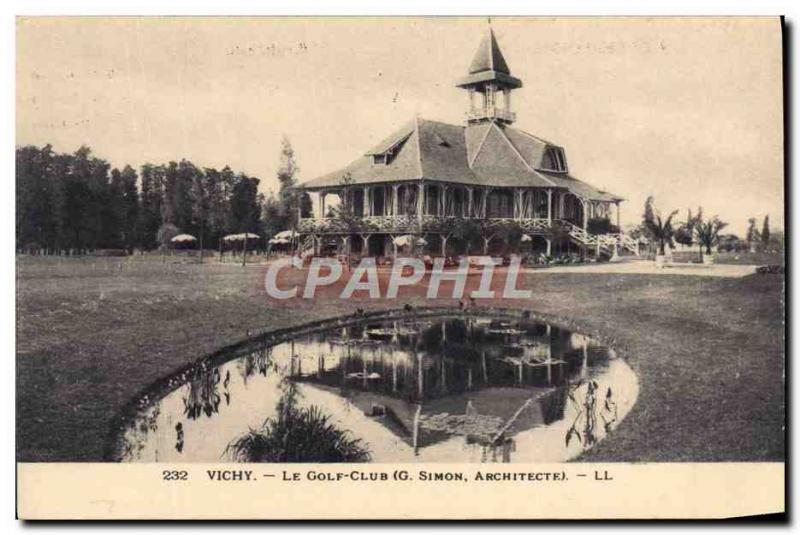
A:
76	203
663	231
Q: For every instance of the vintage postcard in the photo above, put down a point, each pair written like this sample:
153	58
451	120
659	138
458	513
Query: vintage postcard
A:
412	268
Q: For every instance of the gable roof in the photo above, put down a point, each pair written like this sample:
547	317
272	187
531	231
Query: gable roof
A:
474	155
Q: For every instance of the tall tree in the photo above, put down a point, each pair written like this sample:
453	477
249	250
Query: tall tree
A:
200	207
129	210
708	232
271	217
216	206
765	232
151	201
291	199
752	236
649	214
245	210
659	230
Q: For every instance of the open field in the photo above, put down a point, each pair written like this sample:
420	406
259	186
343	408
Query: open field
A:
92	332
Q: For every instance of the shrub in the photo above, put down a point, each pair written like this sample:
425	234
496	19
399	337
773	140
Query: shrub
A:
601	225
297	435
771	269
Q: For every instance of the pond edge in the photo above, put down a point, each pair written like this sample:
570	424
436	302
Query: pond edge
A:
267	338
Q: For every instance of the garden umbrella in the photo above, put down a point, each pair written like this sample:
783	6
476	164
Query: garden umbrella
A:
181	238
286	235
237	237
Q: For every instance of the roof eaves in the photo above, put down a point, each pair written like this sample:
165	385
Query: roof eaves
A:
419	146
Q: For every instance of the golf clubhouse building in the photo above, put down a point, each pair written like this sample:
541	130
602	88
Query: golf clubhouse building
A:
434	180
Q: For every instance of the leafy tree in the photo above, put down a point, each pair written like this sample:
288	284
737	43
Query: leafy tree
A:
75	202
511	235
37	199
469	233
649	213
129	209
659	230
708	232
271	215
216	206
765	233
245	209
290	197
164	236
200	206
684	234
753	236
151	200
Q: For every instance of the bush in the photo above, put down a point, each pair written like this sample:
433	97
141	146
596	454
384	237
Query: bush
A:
601	225
297	435
771	269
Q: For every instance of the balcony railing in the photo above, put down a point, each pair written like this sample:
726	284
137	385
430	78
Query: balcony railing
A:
491	113
405	224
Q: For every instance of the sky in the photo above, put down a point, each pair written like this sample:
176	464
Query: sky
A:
686	110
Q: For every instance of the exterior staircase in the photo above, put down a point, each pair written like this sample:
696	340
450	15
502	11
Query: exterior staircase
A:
601	243
306	246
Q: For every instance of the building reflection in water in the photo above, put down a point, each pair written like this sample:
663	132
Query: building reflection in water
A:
482	383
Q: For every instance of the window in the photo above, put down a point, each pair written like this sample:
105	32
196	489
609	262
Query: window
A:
384	159
388	155
554	160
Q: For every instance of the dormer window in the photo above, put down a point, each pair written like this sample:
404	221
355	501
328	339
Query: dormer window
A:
387	154
554	160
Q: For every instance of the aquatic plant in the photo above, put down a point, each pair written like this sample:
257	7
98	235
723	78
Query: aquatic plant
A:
588	411
297	434
203	396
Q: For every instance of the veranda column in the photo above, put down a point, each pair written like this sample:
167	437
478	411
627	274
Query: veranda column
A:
619	227
469	203
585	214
549	210
421	200
395	200
322	196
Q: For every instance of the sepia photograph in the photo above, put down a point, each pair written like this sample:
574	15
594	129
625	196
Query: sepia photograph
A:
262	245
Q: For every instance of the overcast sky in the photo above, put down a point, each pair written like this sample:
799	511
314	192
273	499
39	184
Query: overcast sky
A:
688	110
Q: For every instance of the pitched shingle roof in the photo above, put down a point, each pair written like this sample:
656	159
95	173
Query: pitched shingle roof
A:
488	56
477	155
488	64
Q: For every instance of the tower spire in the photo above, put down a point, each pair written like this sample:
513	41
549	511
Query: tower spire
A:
489	75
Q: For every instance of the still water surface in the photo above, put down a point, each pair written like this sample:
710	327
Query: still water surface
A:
448	389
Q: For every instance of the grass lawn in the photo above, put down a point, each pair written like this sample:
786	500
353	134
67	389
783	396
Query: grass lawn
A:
92	332
756	258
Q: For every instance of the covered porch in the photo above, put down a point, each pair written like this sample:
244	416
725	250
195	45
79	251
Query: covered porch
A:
444	200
